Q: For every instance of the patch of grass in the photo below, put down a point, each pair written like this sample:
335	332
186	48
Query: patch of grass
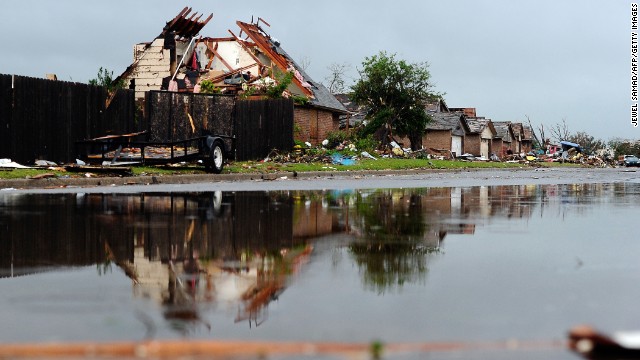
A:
245	167
27	173
167	170
363	164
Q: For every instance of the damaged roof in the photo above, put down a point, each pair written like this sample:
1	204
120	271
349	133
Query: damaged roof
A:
320	95
185	27
448	121
504	130
478	124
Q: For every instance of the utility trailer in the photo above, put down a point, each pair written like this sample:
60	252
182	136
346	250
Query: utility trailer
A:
211	150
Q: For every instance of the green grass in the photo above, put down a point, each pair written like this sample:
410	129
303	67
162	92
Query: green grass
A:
363	164
273	167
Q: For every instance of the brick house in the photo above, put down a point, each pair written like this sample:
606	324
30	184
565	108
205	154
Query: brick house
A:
478	140
445	133
502	143
247	65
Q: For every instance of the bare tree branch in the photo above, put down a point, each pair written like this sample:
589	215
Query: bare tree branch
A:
560	131
305	62
539	139
336	79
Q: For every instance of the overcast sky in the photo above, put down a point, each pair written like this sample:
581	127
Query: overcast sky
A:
550	60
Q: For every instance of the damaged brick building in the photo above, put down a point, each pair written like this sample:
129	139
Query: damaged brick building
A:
246	65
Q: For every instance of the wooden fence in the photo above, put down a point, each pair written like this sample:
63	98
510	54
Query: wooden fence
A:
263	125
258	125
42	119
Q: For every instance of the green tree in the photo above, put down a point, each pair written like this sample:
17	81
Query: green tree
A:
396	93
624	147
105	78
587	142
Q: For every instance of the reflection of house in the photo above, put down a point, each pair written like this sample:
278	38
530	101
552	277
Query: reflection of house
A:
478	139
252	66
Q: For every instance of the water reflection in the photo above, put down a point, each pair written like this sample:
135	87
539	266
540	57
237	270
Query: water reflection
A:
192	252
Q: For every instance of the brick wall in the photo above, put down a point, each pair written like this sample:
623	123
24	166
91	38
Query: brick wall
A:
313	125
437	139
496	146
153	65
472	144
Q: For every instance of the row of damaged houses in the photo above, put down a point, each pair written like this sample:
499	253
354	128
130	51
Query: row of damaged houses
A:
456	132
250	63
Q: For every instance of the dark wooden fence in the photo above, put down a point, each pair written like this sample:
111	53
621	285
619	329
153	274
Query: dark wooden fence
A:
258	125
42	119
263	125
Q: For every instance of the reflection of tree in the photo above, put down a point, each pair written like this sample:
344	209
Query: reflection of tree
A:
392	215
391	265
392	251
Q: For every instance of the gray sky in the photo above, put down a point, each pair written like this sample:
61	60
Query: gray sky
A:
550	60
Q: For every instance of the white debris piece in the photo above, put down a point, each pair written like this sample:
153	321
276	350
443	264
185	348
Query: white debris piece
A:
7	163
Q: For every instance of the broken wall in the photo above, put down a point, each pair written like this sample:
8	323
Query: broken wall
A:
153	64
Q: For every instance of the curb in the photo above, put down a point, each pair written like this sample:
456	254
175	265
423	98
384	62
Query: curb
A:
206	178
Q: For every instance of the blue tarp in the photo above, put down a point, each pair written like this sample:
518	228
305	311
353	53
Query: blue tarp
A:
342	160
566	145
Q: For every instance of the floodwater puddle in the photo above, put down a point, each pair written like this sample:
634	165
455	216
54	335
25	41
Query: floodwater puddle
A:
434	264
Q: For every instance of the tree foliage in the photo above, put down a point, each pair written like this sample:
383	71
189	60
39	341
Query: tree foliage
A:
588	143
624	147
105	79
396	93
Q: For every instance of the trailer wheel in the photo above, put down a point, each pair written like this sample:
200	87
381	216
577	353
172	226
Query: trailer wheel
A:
216	157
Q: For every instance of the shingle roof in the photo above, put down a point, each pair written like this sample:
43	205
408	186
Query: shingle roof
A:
503	130
357	113
446	121
477	125
517	128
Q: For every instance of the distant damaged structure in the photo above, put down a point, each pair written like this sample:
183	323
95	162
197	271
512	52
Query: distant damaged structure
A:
249	65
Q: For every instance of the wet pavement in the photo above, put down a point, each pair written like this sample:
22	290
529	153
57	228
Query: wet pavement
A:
455	268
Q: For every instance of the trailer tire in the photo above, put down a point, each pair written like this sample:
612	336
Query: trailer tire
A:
216	157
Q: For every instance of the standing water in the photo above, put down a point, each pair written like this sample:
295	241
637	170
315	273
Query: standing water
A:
470	264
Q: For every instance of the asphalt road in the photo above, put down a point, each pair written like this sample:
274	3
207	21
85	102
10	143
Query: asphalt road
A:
323	180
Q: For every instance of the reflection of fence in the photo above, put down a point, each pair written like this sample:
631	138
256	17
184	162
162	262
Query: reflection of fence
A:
41	119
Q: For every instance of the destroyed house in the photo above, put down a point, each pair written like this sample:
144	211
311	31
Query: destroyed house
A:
249	65
319	114
158	61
